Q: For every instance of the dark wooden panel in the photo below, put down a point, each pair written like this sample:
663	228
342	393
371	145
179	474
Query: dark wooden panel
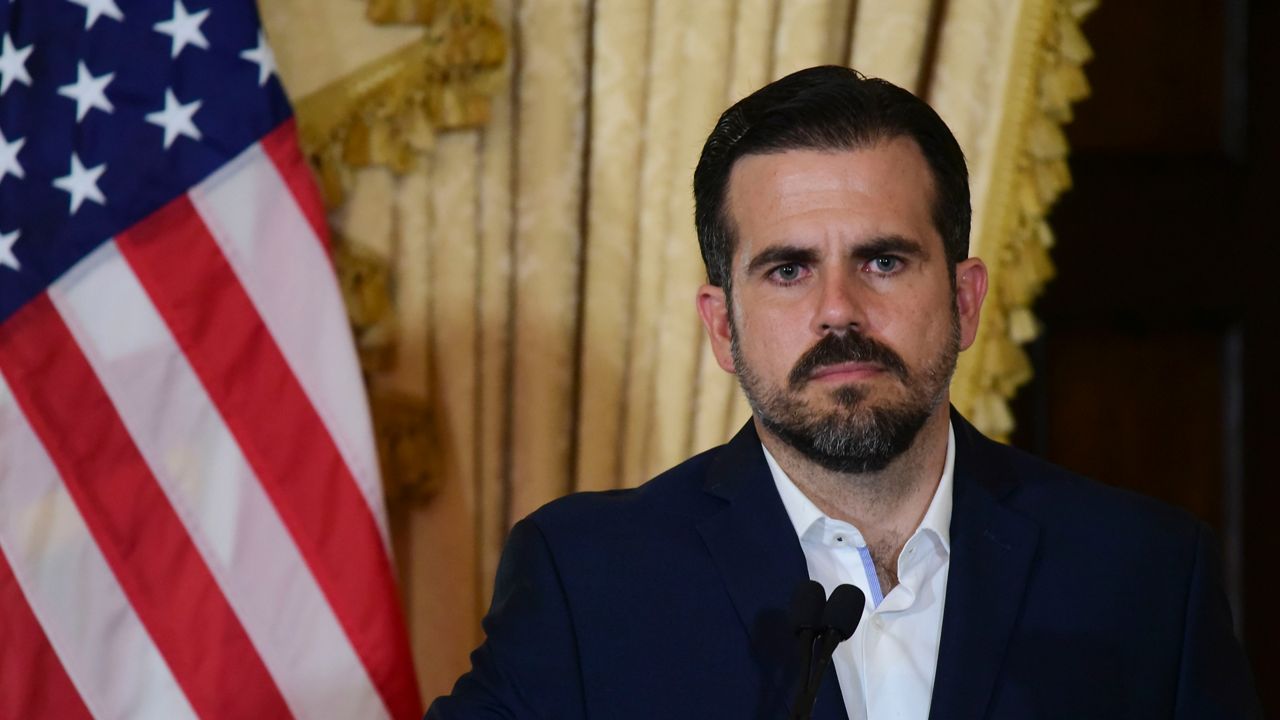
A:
1140	410
1162	90
1169	262
1260	263
1148	236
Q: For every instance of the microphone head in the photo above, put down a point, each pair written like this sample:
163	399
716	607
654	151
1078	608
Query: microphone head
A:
806	605
844	610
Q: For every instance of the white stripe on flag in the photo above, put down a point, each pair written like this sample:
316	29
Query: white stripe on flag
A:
102	644
285	270
202	470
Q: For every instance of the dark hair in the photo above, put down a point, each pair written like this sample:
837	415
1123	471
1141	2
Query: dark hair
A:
826	108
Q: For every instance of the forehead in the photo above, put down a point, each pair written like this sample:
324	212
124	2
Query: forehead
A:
883	188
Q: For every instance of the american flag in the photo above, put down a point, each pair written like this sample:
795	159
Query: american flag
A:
191	521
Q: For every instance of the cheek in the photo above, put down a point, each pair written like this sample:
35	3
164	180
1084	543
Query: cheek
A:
918	330
771	340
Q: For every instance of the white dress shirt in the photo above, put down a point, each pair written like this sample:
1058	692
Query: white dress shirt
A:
886	669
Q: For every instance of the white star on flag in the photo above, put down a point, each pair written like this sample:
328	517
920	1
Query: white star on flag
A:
7	258
184	28
9	164
82	184
13	64
264	57
88	92
95	9
175	118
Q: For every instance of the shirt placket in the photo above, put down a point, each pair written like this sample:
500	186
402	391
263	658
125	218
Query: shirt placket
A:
885	677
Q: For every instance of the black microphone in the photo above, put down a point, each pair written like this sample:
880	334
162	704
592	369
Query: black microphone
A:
839	619
807	603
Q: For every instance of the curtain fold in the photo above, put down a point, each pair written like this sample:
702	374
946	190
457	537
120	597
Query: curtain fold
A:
493	317
618	144
550	137
543	266
1005	78
889	39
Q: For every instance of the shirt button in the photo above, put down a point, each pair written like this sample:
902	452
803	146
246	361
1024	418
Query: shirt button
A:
839	538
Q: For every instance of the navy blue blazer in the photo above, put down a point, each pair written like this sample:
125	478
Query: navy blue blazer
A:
1065	599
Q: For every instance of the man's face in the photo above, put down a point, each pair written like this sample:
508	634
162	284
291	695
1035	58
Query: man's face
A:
844	326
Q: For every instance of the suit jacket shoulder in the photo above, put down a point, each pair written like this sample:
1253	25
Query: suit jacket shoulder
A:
1059	582
666	600
677	495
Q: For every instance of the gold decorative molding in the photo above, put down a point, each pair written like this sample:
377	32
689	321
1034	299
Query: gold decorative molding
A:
366	289
372	87
406	446
388	110
401	422
421	12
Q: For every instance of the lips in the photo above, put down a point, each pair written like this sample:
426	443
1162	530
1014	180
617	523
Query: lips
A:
847	371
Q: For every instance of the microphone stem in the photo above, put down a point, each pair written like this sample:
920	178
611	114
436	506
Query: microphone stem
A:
830	639
799	709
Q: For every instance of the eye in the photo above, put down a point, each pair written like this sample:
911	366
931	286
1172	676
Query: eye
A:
884	264
788	273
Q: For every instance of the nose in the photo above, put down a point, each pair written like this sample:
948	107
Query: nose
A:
839	309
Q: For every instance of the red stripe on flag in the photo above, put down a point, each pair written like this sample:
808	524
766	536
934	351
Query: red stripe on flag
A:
283	438
142	538
281	145
33	683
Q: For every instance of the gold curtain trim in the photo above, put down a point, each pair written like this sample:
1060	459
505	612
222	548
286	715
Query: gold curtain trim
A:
387	112
402	11
402	426
1029	175
365	280
407	443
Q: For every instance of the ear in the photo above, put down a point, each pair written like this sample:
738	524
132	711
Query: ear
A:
713	308
971	289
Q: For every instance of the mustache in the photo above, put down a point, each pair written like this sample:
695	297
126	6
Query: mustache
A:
838	348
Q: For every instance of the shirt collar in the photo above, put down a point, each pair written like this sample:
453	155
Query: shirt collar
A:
800	508
804	514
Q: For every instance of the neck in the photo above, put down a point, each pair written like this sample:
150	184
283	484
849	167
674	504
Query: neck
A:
886	506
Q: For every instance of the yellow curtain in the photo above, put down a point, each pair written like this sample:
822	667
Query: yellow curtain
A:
543	266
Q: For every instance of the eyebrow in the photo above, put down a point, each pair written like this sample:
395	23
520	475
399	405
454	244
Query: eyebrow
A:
874	247
781	255
889	245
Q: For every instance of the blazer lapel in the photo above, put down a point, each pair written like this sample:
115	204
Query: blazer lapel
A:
991	553
754	547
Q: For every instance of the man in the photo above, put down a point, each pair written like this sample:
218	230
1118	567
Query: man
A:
833	216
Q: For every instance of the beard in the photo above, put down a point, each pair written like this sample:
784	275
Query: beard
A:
857	435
